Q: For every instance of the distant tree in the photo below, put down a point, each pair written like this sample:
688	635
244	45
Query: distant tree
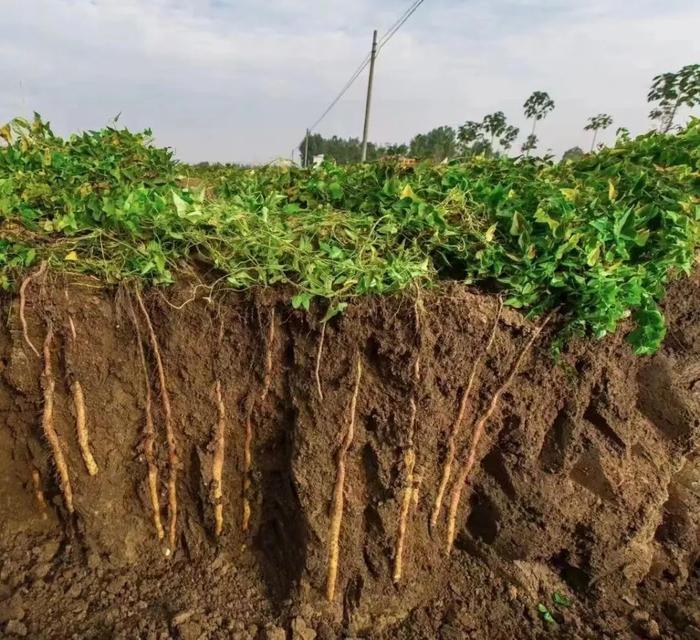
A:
438	144
529	144
536	108
494	125
622	134
508	137
392	150
572	154
469	134
597	123
670	91
316	146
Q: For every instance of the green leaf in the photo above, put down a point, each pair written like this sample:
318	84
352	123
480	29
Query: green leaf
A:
560	599
517	225
302	300
334	310
650	331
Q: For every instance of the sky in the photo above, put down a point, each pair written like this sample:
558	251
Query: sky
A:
240	80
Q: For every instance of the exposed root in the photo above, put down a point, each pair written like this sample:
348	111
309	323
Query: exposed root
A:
81	428
410	493
23	302
38	491
218	463
248	442
247	461
268	357
457	425
317	371
478	433
48	385
169	431
417	481
149	433
410	462
339	491
73	332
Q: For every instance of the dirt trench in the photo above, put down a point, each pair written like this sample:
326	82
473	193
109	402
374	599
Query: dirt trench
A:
586	483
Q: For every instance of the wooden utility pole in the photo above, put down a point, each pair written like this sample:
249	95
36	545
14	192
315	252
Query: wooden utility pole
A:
305	161
369	95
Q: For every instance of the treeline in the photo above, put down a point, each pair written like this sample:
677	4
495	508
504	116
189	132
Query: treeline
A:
437	144
493	134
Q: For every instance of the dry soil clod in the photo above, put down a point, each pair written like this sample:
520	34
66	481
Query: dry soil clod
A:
169	431
218	463
457	425
48	385
339	491
81	428
149	432
478	433
22	303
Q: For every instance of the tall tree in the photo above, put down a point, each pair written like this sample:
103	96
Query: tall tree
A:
670	91
597	123
529	144
508	137
494	125
536	108
468	135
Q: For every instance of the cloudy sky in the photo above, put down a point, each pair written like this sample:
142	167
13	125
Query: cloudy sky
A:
240	80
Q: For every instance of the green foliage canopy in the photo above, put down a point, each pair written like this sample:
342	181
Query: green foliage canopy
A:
598	236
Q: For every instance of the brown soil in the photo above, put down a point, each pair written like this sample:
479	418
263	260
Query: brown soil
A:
587	482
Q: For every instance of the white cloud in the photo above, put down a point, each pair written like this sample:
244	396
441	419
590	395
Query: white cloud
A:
240	80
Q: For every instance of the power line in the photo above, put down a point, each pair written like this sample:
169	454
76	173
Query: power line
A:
363	65
399	23
348	84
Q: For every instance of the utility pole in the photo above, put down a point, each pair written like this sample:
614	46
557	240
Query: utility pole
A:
305	161
369	95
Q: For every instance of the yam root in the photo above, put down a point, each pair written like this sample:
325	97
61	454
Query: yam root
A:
247	461
81	428
410	462
149	434
218	462
268	357
169	430
317	371
457	425
410	495
248	442
38	491
338	500
22	304
48	386
478	433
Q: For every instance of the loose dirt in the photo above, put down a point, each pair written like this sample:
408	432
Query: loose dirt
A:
584	499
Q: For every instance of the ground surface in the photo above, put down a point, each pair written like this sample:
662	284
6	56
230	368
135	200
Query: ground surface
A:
586	486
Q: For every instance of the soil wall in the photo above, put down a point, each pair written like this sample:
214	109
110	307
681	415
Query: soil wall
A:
586	480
